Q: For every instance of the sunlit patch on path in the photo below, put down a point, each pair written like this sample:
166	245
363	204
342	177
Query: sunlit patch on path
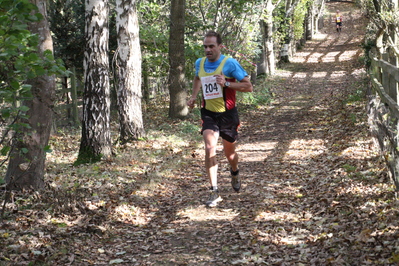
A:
313	191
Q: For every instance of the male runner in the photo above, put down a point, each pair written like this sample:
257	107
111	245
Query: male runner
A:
219	78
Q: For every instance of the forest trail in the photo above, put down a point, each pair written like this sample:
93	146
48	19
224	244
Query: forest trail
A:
307	163
308	166
315	191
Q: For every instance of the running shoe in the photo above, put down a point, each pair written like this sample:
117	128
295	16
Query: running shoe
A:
214	199
235	180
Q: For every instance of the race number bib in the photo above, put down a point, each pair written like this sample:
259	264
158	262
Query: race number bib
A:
210	88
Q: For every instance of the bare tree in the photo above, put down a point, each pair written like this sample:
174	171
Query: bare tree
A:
28	154
129	71
267	62
178	93
96	137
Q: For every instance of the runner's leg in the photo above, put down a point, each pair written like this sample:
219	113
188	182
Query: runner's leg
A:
211	164
231	154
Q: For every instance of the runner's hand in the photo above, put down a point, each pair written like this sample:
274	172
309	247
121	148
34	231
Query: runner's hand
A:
220	79
191	103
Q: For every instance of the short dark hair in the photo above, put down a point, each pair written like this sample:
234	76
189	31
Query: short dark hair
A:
212	33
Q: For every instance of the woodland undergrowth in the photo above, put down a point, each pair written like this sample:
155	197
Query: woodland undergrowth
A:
315	188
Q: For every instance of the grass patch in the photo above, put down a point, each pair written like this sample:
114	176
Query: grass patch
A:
260	96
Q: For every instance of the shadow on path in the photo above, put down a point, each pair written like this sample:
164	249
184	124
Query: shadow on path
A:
300	160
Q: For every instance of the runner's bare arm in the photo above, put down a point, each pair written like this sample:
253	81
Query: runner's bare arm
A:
244	85
196	89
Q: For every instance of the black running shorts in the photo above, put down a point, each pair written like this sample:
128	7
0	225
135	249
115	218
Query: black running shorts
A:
226	123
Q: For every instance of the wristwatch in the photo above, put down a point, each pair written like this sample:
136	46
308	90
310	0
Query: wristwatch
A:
226	84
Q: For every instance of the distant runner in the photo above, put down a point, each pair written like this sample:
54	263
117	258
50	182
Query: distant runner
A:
338	21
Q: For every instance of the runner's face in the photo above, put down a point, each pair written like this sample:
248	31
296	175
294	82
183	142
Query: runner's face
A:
212	49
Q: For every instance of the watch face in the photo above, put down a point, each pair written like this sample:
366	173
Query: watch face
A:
226	84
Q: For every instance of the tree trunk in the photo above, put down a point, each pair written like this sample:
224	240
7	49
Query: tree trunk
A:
27	158
177	91
288	48
96	138
309	23
145	84
318	19
268	62
129	71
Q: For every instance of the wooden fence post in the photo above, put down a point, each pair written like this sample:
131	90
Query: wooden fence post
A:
384	110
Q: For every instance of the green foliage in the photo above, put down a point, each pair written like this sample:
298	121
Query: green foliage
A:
237	21
349	168
18	58
19	61
290	27
282	25
48	149
357	96
154	37
67	23
188	128
86	155
193	50
260	96
369	43
382	17
299	18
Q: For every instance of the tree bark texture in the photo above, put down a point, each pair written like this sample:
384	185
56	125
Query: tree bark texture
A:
177	81
27	158
319	7
96	137
129	71
309	23
289	45
268	62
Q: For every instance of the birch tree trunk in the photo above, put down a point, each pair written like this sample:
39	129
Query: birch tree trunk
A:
267	64
309	23
288	48
177	91
96	137
27	158
129	71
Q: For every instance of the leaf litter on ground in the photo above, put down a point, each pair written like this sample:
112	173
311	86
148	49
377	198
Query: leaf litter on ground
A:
315	189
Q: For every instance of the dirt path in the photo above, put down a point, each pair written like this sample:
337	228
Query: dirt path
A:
309	174
307	163
305	160
314	190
